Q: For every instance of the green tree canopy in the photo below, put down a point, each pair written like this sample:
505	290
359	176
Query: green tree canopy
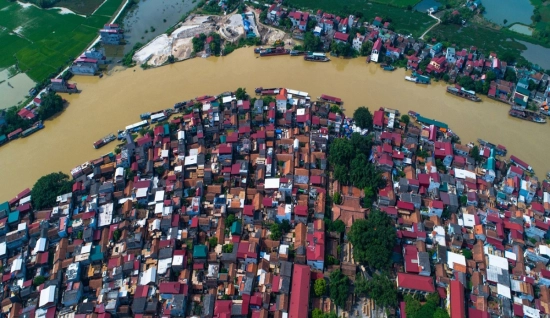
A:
339	288
341	152
311	42
241	93
48	187
373	239
51	105
363	117
380	288
405	119
337	198
276	231
338	226
366	48
38	280
320	287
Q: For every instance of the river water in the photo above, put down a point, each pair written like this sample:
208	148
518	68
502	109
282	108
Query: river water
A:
108	104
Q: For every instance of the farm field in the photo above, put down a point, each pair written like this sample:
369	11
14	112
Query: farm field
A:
84	7
403	20
41	41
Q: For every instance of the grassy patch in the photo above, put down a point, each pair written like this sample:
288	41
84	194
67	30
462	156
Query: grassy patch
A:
403	20
85	7
47	40
484	38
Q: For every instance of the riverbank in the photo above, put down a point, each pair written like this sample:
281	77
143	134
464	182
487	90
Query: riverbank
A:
115	101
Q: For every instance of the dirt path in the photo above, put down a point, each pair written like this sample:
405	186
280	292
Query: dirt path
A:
433	26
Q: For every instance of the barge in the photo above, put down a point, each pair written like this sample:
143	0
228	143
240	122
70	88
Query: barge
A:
103	141
275	51
36	127
316	57
330	99
418	80
464	93
527	115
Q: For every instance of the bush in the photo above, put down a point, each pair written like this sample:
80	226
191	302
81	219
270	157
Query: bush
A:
38	280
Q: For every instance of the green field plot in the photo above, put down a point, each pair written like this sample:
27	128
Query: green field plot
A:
85	7
484	38
403	20
41	41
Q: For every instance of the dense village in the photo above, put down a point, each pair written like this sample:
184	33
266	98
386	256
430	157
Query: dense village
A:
524	87
238	206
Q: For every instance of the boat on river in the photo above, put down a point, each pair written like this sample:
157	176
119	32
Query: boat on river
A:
36	127
527	115
258	50
316	57
500	150
330	99
464	93
275	51
103	141
418	80
297	53
145	116
520	163
389	68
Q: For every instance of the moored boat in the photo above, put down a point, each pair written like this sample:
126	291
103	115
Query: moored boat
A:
275	51
389	68
527	115
297	53
258	50
316	57
464	93
145	116
103	141
36	127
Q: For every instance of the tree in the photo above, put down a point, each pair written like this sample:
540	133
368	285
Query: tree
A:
241	93
475	154
230	219
441	313
320	287
363	117
341	152
285	226
317	313
338	226
276	232
467	253
412	306
380	288
373	239
48	187
510	75
361	144
213	241
51	105
337	198
505	21
405	119
339	288
463	200
116	235
198	42
446	77
38	280
228	248
311	42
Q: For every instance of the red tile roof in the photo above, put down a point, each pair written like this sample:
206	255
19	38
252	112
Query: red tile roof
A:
299	298
457	300
415	282
341	36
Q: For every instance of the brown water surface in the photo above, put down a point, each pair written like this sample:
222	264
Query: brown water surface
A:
113	102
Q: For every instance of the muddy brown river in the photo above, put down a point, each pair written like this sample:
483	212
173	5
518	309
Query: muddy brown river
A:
115	101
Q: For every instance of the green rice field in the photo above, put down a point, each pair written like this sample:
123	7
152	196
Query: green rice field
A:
41	41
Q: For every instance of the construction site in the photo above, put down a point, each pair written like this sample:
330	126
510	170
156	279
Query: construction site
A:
231	28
